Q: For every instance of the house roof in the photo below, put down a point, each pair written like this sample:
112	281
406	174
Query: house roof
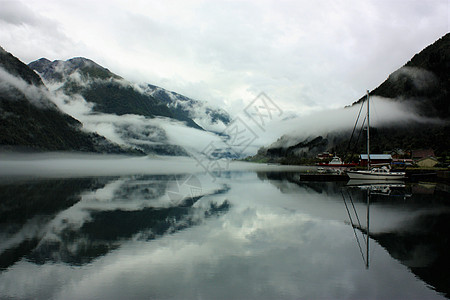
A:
429	157
376	156
422	153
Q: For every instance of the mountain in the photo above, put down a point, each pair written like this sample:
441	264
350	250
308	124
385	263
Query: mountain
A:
423	81
143	116
421	86
199	111
109	92
59	70
113	94
30	120
18	69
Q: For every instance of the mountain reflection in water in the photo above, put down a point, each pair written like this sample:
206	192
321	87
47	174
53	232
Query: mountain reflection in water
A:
77	220
246	235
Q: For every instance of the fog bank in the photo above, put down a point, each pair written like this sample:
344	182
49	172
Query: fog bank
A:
59	164
383	112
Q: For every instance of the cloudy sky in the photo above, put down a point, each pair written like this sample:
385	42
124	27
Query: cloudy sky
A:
305	55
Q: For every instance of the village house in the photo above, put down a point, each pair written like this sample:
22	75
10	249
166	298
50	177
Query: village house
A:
400	154
424	158
427	162
422	153
325	156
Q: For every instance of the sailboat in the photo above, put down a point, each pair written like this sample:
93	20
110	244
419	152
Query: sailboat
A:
374	173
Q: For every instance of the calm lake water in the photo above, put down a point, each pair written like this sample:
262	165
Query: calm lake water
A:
241	235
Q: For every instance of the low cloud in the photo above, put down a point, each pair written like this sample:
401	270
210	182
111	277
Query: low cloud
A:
384	112
422	79
144	132
14	88
134	130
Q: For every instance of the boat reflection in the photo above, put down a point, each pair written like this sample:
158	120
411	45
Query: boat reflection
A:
371	188
411	221
421	246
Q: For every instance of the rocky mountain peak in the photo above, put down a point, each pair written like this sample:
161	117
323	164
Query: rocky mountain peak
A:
59	70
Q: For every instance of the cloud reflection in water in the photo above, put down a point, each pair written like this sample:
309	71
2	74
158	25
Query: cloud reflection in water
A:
271	239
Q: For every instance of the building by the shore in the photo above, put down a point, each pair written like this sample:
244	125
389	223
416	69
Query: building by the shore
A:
375	159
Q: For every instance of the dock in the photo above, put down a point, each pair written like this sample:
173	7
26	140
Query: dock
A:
416	175
323	177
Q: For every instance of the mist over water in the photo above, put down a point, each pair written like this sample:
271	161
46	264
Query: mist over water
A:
63	164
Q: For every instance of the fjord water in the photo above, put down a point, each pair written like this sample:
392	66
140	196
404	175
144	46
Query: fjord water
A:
242	234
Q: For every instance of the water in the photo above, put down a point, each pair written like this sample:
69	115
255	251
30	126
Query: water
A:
244	234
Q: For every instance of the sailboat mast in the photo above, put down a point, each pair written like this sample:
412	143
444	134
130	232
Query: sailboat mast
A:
368	230
368	132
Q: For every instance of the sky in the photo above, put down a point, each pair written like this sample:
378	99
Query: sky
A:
307	56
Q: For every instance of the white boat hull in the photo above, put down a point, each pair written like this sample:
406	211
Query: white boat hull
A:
369	175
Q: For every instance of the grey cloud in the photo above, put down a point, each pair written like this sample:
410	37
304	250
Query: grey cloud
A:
310	55
14	12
